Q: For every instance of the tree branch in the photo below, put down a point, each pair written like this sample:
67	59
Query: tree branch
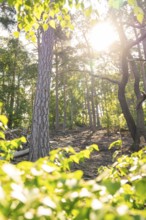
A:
138	40
135	25
94	75
143	98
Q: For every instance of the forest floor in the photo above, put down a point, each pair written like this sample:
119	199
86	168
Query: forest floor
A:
81	138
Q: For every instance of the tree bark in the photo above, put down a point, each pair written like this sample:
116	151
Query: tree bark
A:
88	102
93	102
122	98
140	131
39	140
13	92
64	102
56	91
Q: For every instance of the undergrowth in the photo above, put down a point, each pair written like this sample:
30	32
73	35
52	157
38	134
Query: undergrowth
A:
48	190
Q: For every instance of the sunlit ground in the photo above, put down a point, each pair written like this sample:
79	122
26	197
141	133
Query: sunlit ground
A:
102	36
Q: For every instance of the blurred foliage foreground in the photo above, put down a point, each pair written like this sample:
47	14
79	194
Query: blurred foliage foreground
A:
47	189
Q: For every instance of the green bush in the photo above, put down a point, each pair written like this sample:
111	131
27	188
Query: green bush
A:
47	189
8	147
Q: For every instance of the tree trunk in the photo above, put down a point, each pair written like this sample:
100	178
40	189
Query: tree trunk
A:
71	110
144	64
122	99
93	103
122	86
98	125
88	102
143	70
140	131
12	95
39	141
56	95
64	102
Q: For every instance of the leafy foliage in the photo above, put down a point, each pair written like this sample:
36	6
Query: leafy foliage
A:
8	147
117	4
47	189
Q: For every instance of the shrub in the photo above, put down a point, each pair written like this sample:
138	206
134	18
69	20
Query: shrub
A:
8	147
47	189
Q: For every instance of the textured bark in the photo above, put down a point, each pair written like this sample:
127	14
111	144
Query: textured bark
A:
143	31
56	91
39	141
98	125
64	102
13	92
143	69
140	131
93	102
71	110
122	98
88	102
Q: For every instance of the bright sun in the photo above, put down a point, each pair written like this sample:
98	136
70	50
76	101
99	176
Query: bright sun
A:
102	36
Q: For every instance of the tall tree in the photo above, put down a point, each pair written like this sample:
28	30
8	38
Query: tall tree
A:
36	14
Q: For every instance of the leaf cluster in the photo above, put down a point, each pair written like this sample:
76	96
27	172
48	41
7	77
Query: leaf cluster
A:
8	147
47	189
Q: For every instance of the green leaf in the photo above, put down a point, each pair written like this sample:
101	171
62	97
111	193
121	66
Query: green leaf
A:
112	187
16	34
117	4
132	2
86	153
139	14
95	147
45	27
3	119
63	23
52	24
141	187
78	174
88	11
10	2
117	143
1	105
75	159
23	139
2	135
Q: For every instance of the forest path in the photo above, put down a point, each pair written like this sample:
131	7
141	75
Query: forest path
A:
81	138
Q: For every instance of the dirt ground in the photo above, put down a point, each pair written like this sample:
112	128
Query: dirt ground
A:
81	138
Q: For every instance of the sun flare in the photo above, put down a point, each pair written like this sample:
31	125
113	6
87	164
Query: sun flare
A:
102	36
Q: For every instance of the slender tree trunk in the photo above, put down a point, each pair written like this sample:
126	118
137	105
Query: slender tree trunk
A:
143	69
86	108
12	96
56	90
140	131
17	107
97	111
122	98
143	30
64	101
71	110
144	63
93	102
40	125
88	103
122	86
